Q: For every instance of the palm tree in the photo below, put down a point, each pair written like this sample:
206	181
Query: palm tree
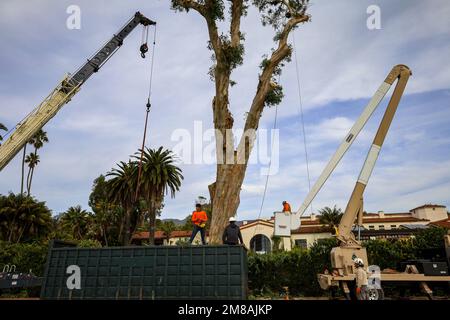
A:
2	127
32	159
167	227
107	215
122	188
330	217
37	141
160	176
23	218
76	221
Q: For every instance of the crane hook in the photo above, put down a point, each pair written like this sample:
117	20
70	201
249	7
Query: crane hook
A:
144	50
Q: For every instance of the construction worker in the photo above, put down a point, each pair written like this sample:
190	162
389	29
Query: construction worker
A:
361	279
286	207
199	219
232	234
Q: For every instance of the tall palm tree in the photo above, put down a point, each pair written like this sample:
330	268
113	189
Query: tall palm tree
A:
160	176
122	188
76	221
32	159
330	217
2	127
37	141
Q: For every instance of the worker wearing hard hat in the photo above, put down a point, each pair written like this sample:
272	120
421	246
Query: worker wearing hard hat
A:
361	279
286	207
199	219
232	234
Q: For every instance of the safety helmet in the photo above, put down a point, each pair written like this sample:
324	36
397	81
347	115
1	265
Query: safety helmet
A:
358	262
232	219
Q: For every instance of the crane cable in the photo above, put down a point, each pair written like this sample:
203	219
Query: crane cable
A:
148	104
300	110
270	164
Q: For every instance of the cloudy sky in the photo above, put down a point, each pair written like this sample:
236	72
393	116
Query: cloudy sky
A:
341	64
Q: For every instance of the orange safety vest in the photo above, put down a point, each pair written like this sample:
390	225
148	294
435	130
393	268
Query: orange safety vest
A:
199	217
286	207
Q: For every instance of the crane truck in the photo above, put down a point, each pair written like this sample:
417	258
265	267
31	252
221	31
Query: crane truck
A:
342	257
66	89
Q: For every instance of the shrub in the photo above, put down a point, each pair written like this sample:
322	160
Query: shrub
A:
25	256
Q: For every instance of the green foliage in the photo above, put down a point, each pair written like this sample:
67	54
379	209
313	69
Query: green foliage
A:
274	96
23	218
25	256
297	269
107	215
275	12
430	238
88	243
167	227
330	217
76	222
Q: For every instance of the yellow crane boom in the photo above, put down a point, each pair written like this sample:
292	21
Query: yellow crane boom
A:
65	90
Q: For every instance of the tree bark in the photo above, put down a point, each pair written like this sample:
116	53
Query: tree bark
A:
23	167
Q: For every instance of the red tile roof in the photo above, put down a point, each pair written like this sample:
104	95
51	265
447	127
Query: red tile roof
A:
442	223
393	219
316	229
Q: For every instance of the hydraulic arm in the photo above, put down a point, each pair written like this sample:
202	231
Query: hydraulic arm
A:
354	206
65	90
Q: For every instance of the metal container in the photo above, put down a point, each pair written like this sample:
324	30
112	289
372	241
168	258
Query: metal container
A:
158	272
435	268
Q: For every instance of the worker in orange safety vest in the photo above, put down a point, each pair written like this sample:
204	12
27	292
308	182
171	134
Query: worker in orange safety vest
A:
286	207
199	219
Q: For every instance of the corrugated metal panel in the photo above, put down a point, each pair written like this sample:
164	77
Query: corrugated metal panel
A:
160	272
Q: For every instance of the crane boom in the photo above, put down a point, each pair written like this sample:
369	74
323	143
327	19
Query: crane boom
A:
64	92
400	72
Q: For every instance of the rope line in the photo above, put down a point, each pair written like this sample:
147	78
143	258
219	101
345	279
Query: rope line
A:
270	165
302	120
148	105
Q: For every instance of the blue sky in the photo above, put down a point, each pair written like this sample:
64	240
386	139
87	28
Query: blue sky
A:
341	64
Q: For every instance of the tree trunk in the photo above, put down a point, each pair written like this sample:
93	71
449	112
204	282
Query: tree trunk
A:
23	168
28	183
127	237
31	180
225	198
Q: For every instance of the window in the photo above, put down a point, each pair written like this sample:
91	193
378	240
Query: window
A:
393	226
301	243
371	227
260	244
381	227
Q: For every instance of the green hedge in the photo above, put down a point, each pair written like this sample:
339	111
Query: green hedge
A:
25	256
297	269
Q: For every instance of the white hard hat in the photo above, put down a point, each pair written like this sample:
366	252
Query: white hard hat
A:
232	219
358	261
